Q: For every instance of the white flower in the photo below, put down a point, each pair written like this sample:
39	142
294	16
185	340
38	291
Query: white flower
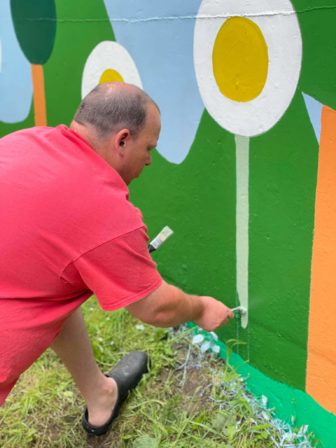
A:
247	57
109	61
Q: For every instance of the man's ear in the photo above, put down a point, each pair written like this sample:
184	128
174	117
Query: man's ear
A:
122	139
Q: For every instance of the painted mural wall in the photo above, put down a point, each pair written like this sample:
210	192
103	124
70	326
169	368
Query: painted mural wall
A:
245	169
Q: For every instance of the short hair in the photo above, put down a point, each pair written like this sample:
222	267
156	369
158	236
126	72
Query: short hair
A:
110	107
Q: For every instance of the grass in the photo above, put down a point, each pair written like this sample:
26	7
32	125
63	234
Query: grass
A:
187	400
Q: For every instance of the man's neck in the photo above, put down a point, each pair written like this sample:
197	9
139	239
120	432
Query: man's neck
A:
100	146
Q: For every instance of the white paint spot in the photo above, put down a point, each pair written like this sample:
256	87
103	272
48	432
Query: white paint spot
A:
205	346
197	339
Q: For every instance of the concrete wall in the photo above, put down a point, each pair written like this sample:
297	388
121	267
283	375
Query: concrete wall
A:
245	168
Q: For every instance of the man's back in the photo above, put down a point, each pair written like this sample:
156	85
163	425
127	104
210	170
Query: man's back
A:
58	199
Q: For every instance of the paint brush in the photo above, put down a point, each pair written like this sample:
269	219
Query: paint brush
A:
240	310
165	233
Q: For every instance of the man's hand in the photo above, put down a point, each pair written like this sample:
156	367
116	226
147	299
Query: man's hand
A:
214	314
168	306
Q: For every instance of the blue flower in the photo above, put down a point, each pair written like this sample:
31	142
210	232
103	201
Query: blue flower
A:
15	72
158	34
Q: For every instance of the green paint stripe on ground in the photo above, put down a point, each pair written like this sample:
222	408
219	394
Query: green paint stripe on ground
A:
290	405
287	401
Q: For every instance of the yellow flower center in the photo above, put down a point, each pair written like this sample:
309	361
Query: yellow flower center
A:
240	59
110	75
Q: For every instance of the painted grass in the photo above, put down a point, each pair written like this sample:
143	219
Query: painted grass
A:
187	400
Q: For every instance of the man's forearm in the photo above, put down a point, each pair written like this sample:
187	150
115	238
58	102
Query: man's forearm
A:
168	306
177	307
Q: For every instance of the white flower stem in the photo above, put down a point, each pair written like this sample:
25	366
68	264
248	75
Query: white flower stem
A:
242	222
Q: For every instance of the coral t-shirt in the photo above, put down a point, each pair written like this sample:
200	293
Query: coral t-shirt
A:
68	230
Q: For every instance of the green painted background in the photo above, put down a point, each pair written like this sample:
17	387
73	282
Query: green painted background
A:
197	198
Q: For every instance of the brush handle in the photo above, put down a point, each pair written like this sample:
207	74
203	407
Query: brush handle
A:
151	248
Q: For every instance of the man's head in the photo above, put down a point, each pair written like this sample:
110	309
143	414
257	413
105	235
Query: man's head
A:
122	123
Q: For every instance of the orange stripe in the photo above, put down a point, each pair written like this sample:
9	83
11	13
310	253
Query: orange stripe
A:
39	95
321	364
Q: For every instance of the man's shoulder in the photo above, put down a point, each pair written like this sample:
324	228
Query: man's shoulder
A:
21	133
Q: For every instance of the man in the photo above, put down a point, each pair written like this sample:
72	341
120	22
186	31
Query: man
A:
68	230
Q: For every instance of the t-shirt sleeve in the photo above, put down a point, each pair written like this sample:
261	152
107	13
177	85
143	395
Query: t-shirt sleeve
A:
121	271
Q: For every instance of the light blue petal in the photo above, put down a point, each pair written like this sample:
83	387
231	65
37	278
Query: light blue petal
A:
15	72
158	34
197	339
314	109
216	348
205	346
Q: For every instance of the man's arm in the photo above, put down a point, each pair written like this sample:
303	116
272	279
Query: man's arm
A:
168	306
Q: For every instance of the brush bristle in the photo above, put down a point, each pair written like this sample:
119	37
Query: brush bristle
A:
165	233
240	309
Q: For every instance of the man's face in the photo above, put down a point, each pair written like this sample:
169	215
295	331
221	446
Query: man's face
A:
137	150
